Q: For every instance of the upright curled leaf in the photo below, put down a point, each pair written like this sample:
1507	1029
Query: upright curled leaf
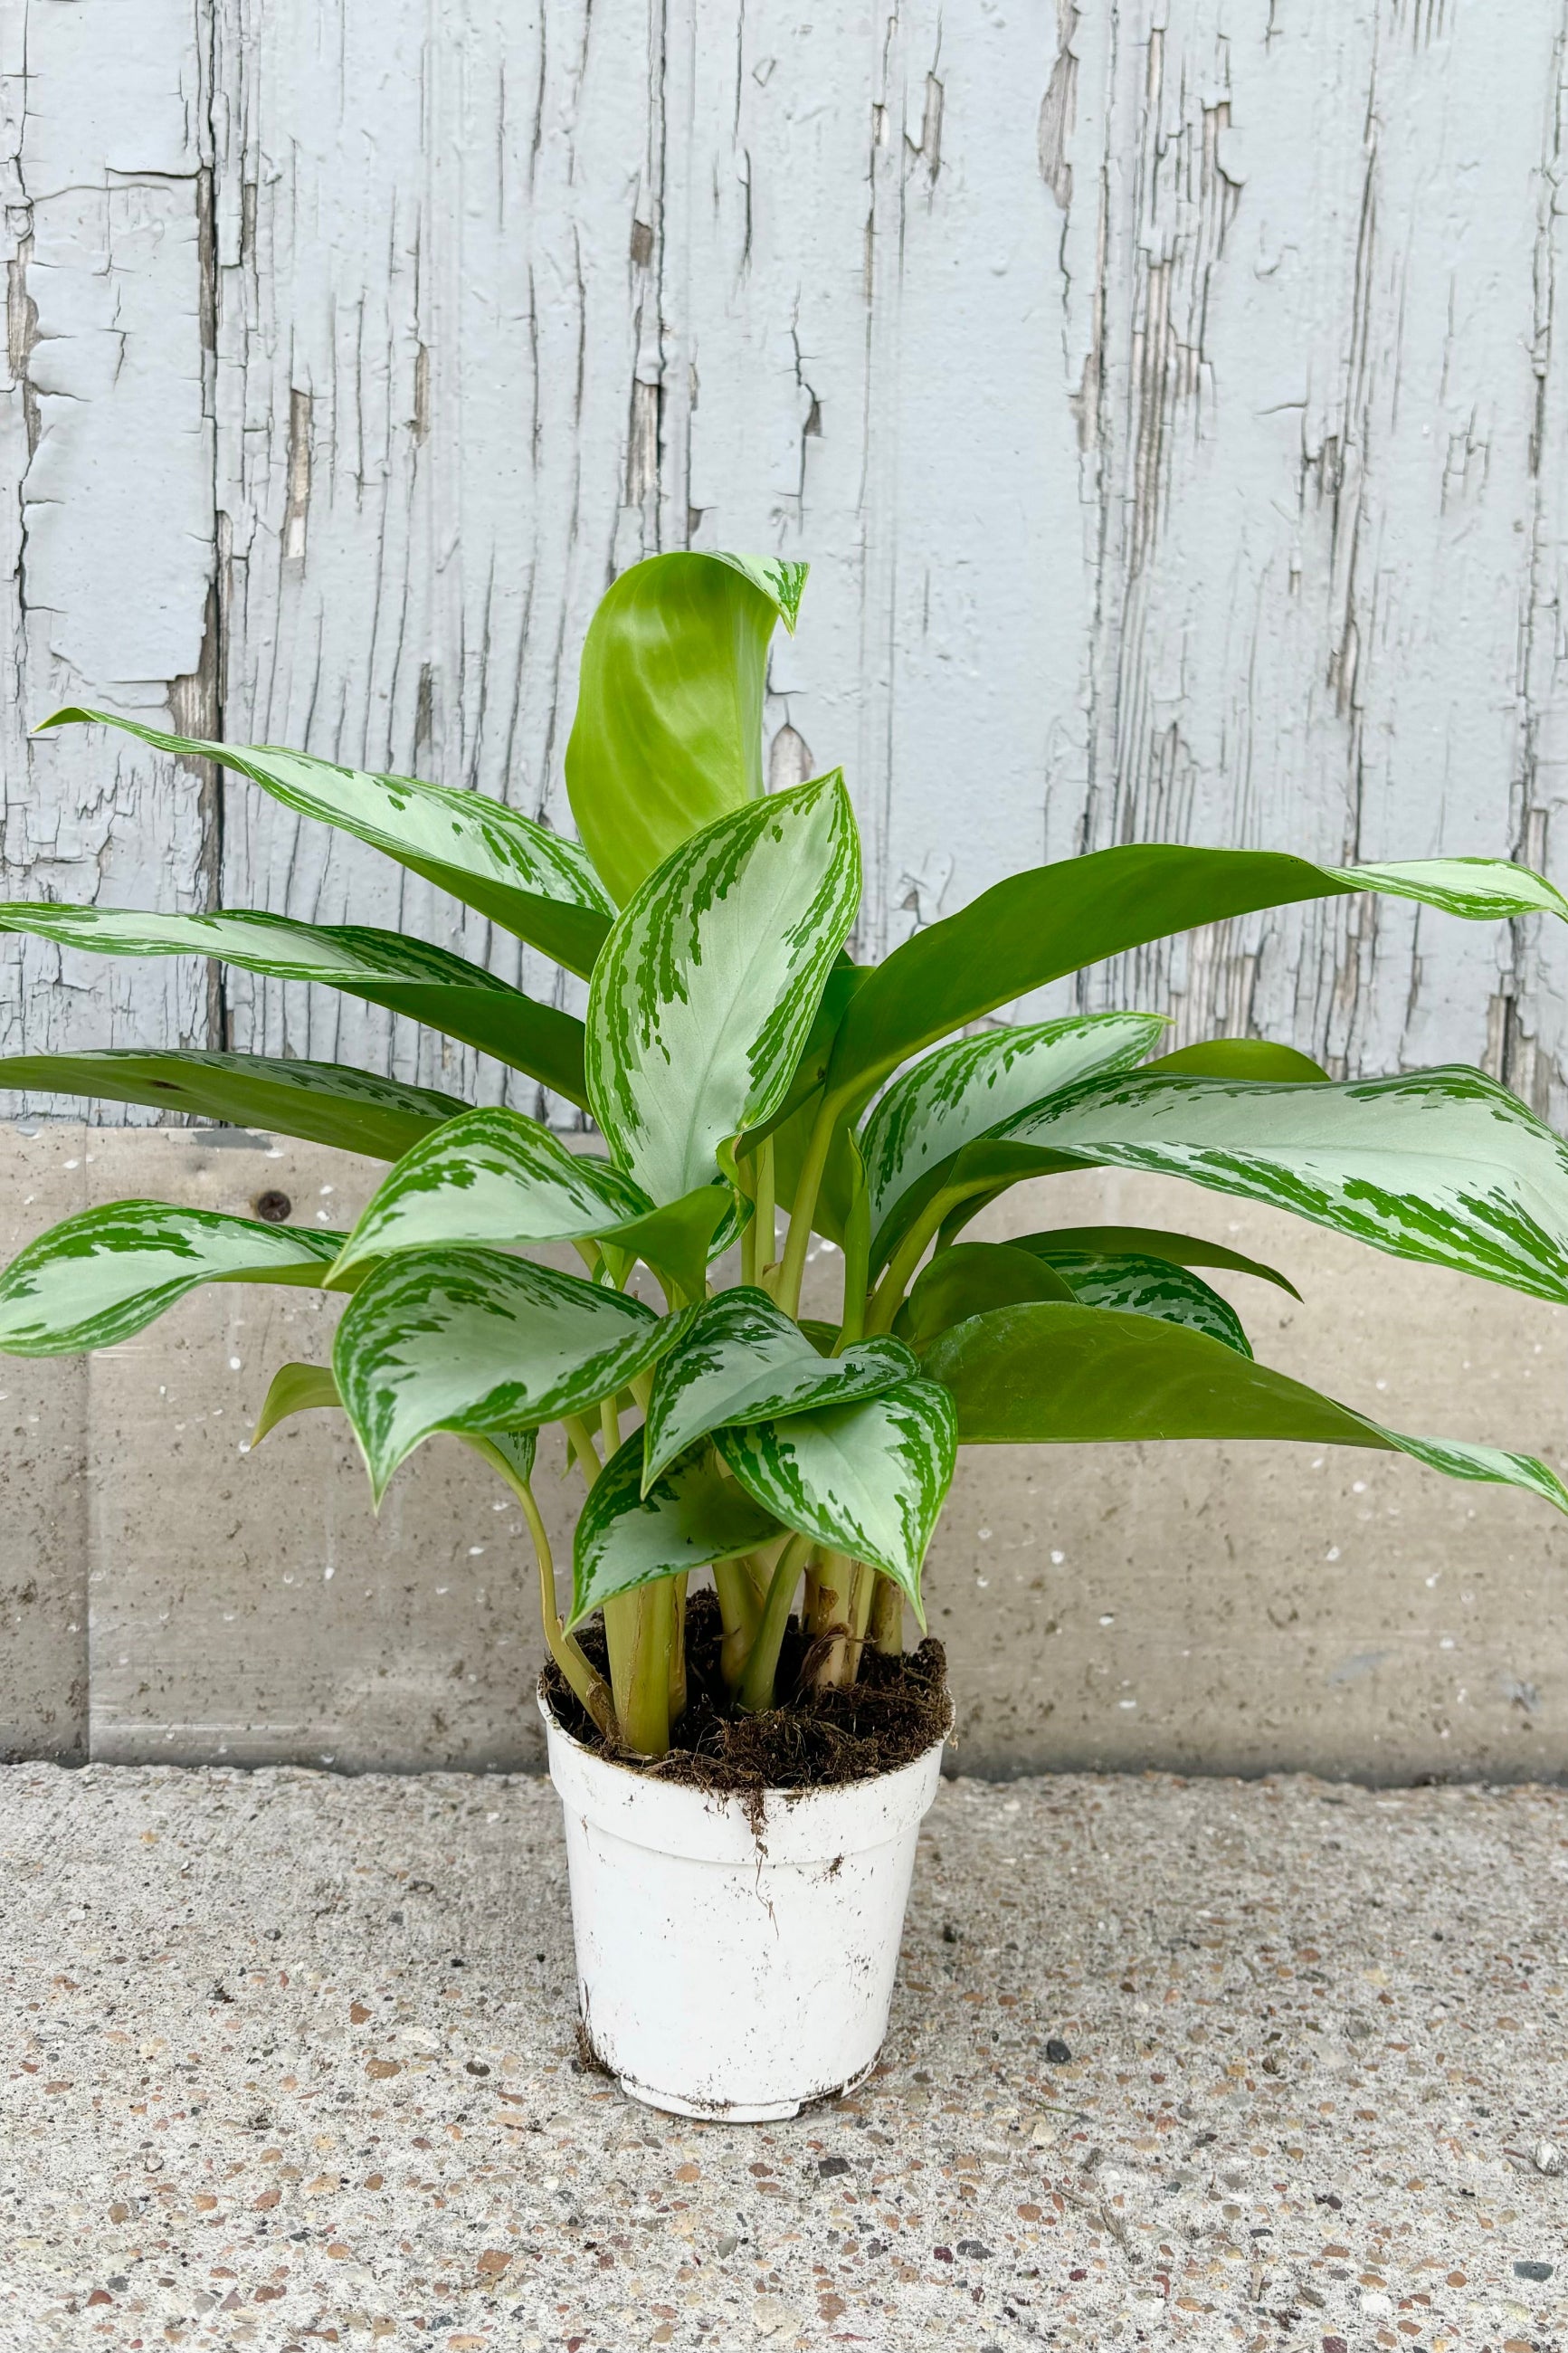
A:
668	732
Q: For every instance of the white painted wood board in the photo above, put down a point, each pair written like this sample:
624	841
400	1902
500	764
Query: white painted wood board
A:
1167	394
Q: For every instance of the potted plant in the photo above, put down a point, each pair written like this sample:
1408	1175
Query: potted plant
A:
744	1771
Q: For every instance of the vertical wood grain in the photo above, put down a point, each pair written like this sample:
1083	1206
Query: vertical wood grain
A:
106	519
437	332
1168	395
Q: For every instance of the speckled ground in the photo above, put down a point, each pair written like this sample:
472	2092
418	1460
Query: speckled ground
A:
289	2062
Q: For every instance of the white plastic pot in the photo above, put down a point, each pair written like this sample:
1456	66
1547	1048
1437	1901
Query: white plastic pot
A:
728	1970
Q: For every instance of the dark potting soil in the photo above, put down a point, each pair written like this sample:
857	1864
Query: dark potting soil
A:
817	1739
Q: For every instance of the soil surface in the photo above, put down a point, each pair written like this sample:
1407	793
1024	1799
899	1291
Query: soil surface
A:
817	1740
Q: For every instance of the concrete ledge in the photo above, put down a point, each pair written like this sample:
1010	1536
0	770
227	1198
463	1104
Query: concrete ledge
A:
290	2061
1235	1609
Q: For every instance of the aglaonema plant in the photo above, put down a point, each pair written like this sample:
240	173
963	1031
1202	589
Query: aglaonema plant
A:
754	1085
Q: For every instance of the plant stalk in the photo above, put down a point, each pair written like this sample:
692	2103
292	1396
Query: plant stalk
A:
834	1659
857	1263
580	1442
741	1610
644	1716
568	1654
887	1618
756	1691
890	1291
792	1267
764	1219
677	1649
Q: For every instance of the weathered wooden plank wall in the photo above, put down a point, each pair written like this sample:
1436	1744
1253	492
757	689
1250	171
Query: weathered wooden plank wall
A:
1169	393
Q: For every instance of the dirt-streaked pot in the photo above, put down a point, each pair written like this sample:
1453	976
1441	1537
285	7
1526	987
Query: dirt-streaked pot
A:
728	1967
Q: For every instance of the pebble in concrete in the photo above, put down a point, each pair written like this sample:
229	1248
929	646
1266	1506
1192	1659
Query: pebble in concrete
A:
290	2063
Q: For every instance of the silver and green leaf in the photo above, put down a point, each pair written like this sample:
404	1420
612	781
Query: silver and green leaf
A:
98	1277
742	1360
865	1480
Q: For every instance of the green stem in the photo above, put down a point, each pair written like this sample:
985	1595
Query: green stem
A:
763	1221
792	1267
644	1719
579	1439
890	1293
741	1610
746	1171
888	1619
857	1262
677	1648
756	1691
834	1655
567	1652
610	1427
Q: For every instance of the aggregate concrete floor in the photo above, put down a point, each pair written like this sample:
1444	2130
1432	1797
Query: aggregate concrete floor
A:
290	2063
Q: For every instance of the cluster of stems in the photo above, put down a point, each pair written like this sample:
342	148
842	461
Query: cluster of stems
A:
847	1608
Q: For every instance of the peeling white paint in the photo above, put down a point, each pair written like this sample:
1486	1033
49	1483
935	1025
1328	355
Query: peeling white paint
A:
1168	394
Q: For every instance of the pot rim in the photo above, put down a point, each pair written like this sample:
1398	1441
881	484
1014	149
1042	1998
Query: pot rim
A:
771	1795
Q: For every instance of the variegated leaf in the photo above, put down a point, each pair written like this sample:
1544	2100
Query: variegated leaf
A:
387	969
306	1388
519	874
690	1515
667	734
493	1175
705	993
741	1359
1147	1242
325	1102
965	1090
866	1479
1443	1166
100	1276
1151	1286
467	1339
1085	1376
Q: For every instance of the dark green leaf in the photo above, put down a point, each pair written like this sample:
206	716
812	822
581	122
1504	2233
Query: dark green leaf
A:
406	975
1052	920
1146	1242
1085	1376
1241	1058
325	1102
970	1278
